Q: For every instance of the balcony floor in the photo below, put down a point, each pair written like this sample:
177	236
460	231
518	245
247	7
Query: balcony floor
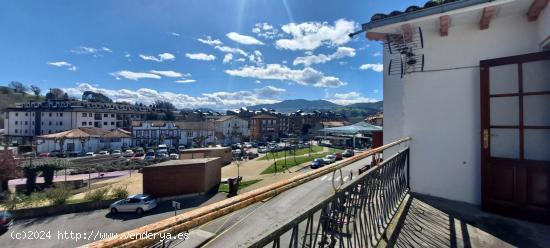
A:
425	221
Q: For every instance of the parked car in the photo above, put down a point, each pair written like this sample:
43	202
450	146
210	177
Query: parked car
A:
138	156
174	156
181	148
150	155
44	155
247	145
316	163
329	159
116	153
161	155
237	152
135	203
58	154
103	152
89	154
162	148
348	153
263	149
251	155
6	220
128	153
338	156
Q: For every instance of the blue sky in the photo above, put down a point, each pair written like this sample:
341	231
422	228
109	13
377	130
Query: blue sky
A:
195	53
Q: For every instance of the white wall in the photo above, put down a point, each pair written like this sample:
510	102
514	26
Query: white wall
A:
544	27
440	110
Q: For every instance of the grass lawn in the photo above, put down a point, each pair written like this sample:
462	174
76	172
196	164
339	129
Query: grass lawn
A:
224	187
299	152
280	165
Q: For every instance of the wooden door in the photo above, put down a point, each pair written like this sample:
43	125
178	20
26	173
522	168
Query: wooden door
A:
515	137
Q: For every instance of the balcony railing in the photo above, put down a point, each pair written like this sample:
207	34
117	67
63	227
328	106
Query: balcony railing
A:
355	216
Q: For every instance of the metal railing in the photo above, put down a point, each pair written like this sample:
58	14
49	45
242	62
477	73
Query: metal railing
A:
194	218
355	216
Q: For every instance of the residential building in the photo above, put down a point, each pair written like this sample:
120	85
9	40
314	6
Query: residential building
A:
376	119
188	133
264	127
231	129
477	108
25	121
83	139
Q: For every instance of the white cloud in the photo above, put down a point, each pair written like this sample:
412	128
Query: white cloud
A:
173	74
265	30
185	81
69	66
134	75
349	98
243	39
209	41
306	76
340	53
374	67
377	54
96	52
227	58
227	49
217	100
311	35
241	60
174	34
256	57
160	58
200	56
269	91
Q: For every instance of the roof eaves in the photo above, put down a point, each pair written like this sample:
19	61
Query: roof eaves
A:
422	13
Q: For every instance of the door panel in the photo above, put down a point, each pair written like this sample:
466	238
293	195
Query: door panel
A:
515	121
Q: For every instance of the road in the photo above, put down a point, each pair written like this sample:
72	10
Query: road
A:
91	223
261	218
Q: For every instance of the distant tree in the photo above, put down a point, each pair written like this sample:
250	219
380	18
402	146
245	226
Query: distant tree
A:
18	87
169	115
57	94
151	116
95	97
164	105
36	91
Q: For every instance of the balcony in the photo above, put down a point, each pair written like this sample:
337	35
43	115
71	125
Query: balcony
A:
372	207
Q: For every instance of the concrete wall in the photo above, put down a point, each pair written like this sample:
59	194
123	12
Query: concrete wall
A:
440	110
544	28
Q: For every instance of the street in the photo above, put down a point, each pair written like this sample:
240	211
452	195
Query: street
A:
56	231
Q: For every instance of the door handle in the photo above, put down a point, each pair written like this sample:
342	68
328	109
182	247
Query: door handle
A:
485	139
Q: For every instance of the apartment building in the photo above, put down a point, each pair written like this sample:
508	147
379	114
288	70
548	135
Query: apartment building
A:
188	133
25	121
231	129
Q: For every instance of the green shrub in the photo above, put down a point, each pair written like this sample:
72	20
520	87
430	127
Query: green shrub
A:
120	192
96	195
59	195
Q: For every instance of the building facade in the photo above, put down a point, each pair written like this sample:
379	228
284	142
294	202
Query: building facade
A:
264	127
190	134
25	121
231	129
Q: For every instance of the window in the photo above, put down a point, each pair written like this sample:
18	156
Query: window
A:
61	114
61	123
50	123
189	134
112	115
25	130
15	130
16	122
105	123
83	123
84	115
49	131
26	114
26	123
105	115
16	114
50	114
90	123
112	123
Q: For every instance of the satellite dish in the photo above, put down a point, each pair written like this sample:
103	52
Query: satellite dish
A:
405	51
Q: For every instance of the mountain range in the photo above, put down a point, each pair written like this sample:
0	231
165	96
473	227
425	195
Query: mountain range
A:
287	106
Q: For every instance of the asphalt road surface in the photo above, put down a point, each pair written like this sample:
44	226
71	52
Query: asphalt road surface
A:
256	220
71	230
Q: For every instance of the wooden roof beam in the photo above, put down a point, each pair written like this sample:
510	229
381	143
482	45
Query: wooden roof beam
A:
488	13
536	7
376	36
444	25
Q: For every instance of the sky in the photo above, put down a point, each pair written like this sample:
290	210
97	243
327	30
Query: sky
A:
218	54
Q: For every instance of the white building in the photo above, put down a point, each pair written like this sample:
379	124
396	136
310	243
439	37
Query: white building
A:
190	134
81	140
478	113
231	129
28	120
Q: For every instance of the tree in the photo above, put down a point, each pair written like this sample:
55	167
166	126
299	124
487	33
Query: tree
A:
95	97
169	115
9	169
18	87
36	91
164	105
57	94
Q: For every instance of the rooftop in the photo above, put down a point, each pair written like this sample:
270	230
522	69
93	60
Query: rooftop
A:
184	162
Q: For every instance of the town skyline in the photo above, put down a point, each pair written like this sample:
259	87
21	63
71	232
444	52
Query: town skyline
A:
250	59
